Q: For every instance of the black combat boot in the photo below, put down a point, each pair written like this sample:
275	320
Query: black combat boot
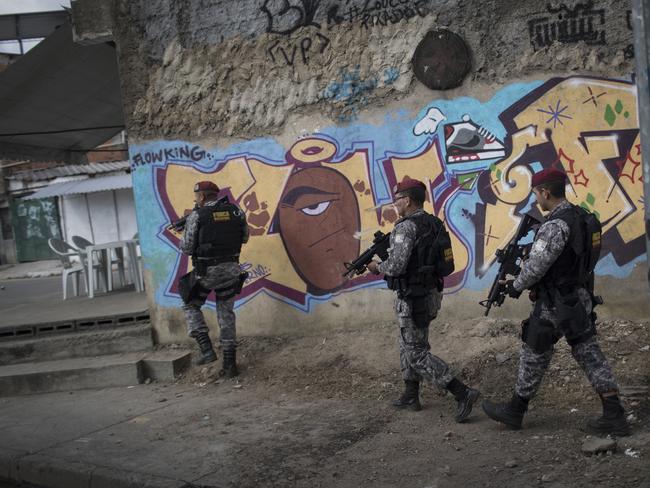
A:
229	369
613	420
511	413
465	398
205	345
411	396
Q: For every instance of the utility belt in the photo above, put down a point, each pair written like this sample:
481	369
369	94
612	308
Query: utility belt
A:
190	288
571	318
406	287
201	264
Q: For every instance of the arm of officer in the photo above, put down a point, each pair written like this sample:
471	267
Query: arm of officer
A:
244	226
403	241
549	243
188	241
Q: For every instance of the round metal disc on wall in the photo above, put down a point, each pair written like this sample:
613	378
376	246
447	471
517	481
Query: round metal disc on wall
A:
441	60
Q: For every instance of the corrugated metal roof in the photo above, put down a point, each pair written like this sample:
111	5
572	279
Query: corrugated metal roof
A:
70	170
89	185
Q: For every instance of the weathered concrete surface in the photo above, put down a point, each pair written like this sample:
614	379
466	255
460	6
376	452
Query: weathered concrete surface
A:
166	365
184	74
114	340
92	22
39	300
102	371
71	374
313	412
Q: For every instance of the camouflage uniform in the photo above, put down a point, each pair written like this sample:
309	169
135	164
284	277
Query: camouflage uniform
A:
416	362
549	243
223	276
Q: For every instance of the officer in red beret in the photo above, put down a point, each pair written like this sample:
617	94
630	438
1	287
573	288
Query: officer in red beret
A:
418	287
213	236
559	271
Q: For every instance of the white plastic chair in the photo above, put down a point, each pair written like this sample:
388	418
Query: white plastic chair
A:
82	243
65	251
139	259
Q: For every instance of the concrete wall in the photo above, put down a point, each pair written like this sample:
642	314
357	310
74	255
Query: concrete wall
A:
307	112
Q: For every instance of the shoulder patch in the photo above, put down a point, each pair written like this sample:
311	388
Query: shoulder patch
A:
539	246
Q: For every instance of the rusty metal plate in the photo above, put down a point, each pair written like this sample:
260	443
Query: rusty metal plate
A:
441	60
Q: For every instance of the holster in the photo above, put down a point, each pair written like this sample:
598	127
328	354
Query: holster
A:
420	312
573	319
538	333
189	288
231	291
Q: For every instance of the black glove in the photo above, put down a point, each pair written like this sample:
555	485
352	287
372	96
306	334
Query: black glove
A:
510	290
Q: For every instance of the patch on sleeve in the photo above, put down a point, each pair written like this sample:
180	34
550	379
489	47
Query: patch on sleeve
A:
399	238
539	246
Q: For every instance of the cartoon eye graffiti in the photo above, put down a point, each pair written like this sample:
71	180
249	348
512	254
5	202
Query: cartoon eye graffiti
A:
317	208
318	218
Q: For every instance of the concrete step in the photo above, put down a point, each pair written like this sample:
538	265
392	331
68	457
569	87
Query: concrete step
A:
97	372
93	342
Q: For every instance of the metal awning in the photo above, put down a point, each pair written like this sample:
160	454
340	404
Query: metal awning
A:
31	25
89	185
58	99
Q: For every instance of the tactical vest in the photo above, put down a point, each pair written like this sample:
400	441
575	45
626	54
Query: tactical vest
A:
220	231
431	258
575	266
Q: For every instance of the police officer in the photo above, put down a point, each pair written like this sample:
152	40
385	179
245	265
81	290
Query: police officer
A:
417	300
213	236
559	271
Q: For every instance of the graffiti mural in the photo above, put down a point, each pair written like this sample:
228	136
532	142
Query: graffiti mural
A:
316	204
568	26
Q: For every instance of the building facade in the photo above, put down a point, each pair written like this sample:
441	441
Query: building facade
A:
307	112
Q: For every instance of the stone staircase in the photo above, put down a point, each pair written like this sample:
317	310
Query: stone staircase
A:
93	352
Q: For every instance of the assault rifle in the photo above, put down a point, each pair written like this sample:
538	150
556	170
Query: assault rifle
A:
509	259
379	247
178	225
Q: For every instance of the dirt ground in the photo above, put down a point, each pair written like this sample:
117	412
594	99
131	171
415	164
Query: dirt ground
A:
338	430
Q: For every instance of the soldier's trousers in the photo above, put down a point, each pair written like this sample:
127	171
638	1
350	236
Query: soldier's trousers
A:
588	355
416	361
225	317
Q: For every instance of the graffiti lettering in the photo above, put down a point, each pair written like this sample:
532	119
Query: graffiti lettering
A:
378	12
568	26
285	53
255	272
188	153
287	16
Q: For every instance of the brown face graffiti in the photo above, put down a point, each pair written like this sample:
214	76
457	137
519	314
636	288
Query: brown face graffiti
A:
318	219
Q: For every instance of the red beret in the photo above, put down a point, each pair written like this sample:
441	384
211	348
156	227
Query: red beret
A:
408	183
206	186
548	175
